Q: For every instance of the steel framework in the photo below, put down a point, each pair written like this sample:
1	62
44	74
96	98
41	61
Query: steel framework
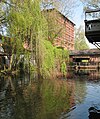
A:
92	26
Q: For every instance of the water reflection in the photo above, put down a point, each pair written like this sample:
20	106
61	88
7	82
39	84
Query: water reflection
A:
22	97
90	74
6	98
87	94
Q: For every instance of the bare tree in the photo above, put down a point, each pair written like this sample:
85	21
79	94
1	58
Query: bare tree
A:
91	4
66	7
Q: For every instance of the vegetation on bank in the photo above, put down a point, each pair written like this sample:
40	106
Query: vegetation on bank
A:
53	60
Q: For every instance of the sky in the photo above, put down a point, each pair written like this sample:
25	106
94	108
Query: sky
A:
79	18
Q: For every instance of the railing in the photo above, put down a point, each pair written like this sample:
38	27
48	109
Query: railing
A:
84	65
92	26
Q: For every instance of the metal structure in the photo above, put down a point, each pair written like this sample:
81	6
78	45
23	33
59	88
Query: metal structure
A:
92	26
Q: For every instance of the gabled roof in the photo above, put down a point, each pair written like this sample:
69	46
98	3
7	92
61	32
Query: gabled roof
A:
66	18
85	52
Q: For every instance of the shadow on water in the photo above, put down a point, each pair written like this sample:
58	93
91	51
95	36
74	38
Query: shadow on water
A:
23	97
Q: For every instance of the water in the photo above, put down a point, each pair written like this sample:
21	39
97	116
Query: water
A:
87	94
23	97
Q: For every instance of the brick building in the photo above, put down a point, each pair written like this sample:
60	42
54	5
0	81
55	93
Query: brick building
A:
63	34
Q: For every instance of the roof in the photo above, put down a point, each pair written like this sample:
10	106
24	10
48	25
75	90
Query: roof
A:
85	52
66	18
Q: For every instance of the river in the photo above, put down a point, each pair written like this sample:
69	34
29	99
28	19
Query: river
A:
24	97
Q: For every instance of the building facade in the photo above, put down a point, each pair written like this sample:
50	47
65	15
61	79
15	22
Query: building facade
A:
66	40
63	33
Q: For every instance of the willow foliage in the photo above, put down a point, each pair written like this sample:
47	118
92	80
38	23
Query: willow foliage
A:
28	25
48	60
53	59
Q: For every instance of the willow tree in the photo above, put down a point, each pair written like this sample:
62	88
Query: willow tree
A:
28	28
27	25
